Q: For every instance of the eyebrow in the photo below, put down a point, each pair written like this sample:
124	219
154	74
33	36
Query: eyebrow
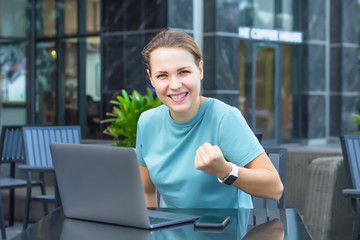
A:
180	69
186	67
159	72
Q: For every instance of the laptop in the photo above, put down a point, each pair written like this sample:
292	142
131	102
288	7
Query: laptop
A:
103	184
73	229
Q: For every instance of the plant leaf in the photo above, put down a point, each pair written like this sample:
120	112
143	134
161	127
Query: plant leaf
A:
125	115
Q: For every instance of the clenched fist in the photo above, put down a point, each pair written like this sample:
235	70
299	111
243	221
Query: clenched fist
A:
210	159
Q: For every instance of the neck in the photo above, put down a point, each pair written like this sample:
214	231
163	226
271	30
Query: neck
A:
184	117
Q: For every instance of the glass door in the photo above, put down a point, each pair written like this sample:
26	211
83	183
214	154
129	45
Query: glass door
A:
266	86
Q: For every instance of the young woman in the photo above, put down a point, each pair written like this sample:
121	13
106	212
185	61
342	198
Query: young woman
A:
196	151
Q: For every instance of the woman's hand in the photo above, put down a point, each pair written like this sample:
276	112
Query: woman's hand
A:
210	159
258	178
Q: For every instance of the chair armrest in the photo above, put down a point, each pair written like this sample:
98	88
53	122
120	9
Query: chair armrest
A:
33	168
351	193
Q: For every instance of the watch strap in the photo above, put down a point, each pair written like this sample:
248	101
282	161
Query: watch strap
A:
231	178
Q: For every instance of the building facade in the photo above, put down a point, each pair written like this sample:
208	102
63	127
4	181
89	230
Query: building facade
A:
290	66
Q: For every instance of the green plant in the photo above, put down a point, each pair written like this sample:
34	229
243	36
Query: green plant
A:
125	116
357	120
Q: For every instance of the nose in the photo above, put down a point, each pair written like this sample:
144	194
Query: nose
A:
174	83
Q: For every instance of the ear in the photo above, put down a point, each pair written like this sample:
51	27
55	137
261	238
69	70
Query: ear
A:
201	69
149	75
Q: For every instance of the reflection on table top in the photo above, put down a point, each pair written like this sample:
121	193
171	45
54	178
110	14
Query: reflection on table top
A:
244	224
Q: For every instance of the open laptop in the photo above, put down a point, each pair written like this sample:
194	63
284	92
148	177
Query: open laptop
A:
73	229
103	184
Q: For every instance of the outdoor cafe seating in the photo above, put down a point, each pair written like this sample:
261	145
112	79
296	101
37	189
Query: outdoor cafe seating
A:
289	156
38	159
11	152
244	223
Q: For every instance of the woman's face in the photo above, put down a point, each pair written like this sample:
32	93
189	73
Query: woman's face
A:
176	79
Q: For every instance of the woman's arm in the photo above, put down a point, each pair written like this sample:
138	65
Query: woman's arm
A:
258	178
149	187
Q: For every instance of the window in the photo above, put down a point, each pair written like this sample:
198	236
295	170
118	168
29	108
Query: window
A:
13	73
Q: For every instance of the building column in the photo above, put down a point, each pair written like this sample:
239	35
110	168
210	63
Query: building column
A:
313	88
344	79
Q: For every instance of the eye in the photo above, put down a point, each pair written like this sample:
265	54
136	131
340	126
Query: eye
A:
184	72
161	76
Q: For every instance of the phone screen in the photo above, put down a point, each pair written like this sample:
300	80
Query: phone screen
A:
212	221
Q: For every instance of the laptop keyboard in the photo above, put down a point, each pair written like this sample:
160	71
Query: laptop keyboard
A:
156	220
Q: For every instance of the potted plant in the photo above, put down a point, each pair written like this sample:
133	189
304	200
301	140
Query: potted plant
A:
125	116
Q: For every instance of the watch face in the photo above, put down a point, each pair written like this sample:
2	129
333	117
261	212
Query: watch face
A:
230	180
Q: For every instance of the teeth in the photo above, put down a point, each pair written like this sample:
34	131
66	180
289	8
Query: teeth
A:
178	96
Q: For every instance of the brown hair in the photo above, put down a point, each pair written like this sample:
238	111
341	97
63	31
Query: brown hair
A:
171	39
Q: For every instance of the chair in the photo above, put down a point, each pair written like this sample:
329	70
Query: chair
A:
350	145
11	152
259	136
269	220
278	158
38	159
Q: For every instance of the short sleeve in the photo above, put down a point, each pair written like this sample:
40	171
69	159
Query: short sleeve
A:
139	146
236	140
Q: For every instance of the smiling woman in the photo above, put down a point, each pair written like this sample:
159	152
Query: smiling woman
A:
184	147
176	79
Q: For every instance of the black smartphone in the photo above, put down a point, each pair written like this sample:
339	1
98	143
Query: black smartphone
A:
209	221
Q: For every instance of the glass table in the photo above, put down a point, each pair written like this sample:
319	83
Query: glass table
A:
244	224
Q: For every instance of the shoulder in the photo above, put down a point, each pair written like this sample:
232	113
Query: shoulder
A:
153	114
227	117
221	109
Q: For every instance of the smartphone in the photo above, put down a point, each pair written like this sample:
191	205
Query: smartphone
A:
209	221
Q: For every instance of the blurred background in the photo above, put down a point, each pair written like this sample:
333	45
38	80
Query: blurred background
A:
290	66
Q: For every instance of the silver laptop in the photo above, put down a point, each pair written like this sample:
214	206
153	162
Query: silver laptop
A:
73	229
103	184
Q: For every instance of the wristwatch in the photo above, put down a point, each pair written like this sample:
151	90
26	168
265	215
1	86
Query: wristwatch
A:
233	175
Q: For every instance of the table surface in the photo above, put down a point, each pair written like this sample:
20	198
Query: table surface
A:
244	224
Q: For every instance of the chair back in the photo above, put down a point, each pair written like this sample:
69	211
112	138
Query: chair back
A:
278	159
11	149
259	136
37	141
350	145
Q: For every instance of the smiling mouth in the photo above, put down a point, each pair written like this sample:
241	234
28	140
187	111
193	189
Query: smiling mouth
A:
178	96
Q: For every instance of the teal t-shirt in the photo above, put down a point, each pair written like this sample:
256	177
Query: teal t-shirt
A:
167	148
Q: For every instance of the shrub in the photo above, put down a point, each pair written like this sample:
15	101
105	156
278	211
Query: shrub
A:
125	116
